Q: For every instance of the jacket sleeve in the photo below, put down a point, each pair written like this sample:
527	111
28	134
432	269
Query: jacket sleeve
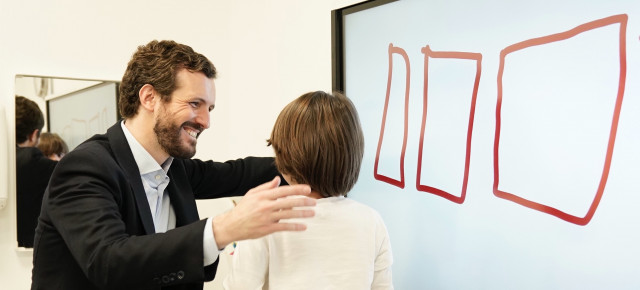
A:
211	179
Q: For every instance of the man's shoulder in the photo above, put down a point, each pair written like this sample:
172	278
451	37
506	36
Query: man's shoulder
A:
93	145
95	151
31	156
22	152
101	141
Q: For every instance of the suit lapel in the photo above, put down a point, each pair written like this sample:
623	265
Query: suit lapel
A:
124	157
181	195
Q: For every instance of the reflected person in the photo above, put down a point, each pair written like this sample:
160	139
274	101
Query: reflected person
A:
120	210
52	146
33	169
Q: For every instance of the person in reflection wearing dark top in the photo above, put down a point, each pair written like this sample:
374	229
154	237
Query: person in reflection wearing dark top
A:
52	146
33	169
120	210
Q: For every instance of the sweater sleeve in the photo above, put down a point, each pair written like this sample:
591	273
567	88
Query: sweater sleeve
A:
384	259
249	265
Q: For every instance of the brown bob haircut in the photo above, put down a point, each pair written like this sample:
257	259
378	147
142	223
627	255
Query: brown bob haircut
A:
52	143
318	141
157	63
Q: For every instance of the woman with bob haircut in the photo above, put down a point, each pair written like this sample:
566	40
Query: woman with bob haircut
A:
318	140
52	146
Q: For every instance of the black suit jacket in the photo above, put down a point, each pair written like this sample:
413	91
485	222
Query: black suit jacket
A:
33	171
96	231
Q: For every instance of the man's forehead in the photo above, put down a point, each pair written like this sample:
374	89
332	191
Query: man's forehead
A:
197	84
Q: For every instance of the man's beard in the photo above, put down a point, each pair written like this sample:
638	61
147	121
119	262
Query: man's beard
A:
169	137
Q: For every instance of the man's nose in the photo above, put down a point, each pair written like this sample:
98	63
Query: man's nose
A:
203	118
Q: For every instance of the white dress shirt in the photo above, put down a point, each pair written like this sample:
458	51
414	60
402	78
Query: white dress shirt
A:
155	181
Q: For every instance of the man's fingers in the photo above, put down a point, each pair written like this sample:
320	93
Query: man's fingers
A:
292	213
289	203
262	209
288	190
291	227
265	186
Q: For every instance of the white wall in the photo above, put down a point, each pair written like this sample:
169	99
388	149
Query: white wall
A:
267	53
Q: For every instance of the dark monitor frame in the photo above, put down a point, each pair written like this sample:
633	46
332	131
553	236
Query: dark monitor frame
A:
337	39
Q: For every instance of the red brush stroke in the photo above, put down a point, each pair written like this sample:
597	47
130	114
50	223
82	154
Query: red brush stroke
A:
398	183
477	57
616	19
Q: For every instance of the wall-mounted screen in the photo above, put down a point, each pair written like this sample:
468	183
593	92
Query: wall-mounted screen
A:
502	138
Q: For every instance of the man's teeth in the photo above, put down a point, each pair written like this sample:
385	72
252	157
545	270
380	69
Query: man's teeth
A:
193	134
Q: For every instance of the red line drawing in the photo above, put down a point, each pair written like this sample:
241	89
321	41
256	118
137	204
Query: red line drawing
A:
477	57
85	128
620	19
398	183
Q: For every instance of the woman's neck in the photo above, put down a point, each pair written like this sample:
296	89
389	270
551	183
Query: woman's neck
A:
315	194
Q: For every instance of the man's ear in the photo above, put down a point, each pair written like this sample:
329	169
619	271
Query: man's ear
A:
33	137
148	97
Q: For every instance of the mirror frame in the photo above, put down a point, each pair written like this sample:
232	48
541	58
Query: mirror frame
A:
46	93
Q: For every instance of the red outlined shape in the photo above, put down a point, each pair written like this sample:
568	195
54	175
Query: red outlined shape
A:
620	19
376	175
477	57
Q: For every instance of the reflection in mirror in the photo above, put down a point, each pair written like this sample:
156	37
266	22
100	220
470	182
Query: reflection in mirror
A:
72	109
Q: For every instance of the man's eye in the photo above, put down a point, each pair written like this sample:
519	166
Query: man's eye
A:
194	104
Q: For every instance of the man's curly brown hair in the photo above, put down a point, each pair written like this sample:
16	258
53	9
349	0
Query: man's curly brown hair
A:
157	63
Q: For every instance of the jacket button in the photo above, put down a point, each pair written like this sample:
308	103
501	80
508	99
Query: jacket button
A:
165	279
180	275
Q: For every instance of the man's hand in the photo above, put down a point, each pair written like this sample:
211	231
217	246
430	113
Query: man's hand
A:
260	211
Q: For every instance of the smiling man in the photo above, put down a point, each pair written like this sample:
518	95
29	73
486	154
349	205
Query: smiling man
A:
120	211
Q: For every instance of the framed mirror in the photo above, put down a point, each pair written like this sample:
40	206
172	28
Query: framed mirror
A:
73	110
